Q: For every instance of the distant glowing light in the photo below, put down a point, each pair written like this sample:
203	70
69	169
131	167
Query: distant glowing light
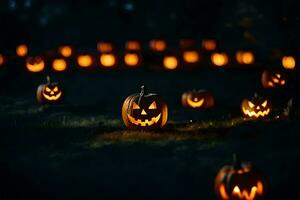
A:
170	62
59	65
22	50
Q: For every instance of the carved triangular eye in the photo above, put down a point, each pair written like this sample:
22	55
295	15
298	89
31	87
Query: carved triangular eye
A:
264	104
251	105
135	106
278	75
275	80
55	89
48	89
153	105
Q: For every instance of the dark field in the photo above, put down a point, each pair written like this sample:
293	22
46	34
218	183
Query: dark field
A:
80	148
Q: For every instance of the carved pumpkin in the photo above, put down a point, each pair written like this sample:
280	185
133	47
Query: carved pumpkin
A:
108	60
66	51
170	62
22	50
288	62
219	59
132	59
273	79
245	57
85	60
2	60
158	45
49	92
143	110
197	99
257	107
35	64
133	45
240	181
191	57
59	65
104	47
209	44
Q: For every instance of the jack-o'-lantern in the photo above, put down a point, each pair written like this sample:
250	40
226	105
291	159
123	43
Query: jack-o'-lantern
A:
143	110
288	62
240	181
191	57
108	60
133	45
219	59
245	57
66	51
132	59
49	92
209	44
105	47
35	64
22	50
85	60
257	107
197	99
170	62
59	65
2	59
273	79
158	45
187	43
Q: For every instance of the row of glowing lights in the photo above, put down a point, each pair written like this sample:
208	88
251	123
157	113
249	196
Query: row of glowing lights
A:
133	57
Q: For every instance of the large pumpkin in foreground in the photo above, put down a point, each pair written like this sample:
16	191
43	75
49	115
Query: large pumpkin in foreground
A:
143	110
257	107
240	181
197	99
49	92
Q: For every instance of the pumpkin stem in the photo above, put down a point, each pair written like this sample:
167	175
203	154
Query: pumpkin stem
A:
143	89
48	79
237	162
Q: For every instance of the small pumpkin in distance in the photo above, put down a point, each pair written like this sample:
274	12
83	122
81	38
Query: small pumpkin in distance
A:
2	59
35	64
245	57
273	79
49	92
197	99
132	59
256	108
22	50
144	110
288	62
219	59
240	181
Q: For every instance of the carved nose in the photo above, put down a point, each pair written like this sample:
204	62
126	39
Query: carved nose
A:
143	112
257	107
52	93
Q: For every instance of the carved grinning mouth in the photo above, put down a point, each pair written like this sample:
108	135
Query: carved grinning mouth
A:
147	122
52	98
256	114
195	104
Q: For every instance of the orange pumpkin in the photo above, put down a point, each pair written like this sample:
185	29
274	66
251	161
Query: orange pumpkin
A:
197	99
35	64
66	51
49	92
288	62
133	45
209	44
219	59
158	45
22	50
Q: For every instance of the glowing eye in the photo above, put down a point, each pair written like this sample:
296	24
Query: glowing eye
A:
264	104
275	80
153	105
135	106
55	89
48	89
278	75
251	105
282	82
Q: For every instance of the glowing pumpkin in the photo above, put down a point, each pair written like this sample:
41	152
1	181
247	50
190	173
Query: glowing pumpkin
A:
240	181
219	59
59	64
66	51
209	44
191	57
2	60
85	60
105	47
35	64
143	110
256	107
288	62
170	62
273	79
197	99
133	45
132	59
245	57
158	45
49	92
22	50
108	60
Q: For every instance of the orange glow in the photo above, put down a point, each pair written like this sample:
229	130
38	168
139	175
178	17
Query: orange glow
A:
158	45
22	50
2	60
104	47
223	192
35	64
288	62
133	45
59	65
244	57
209	44
187	43
219	59
191	56
85	61
170	62
107	60
65	51
131	59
